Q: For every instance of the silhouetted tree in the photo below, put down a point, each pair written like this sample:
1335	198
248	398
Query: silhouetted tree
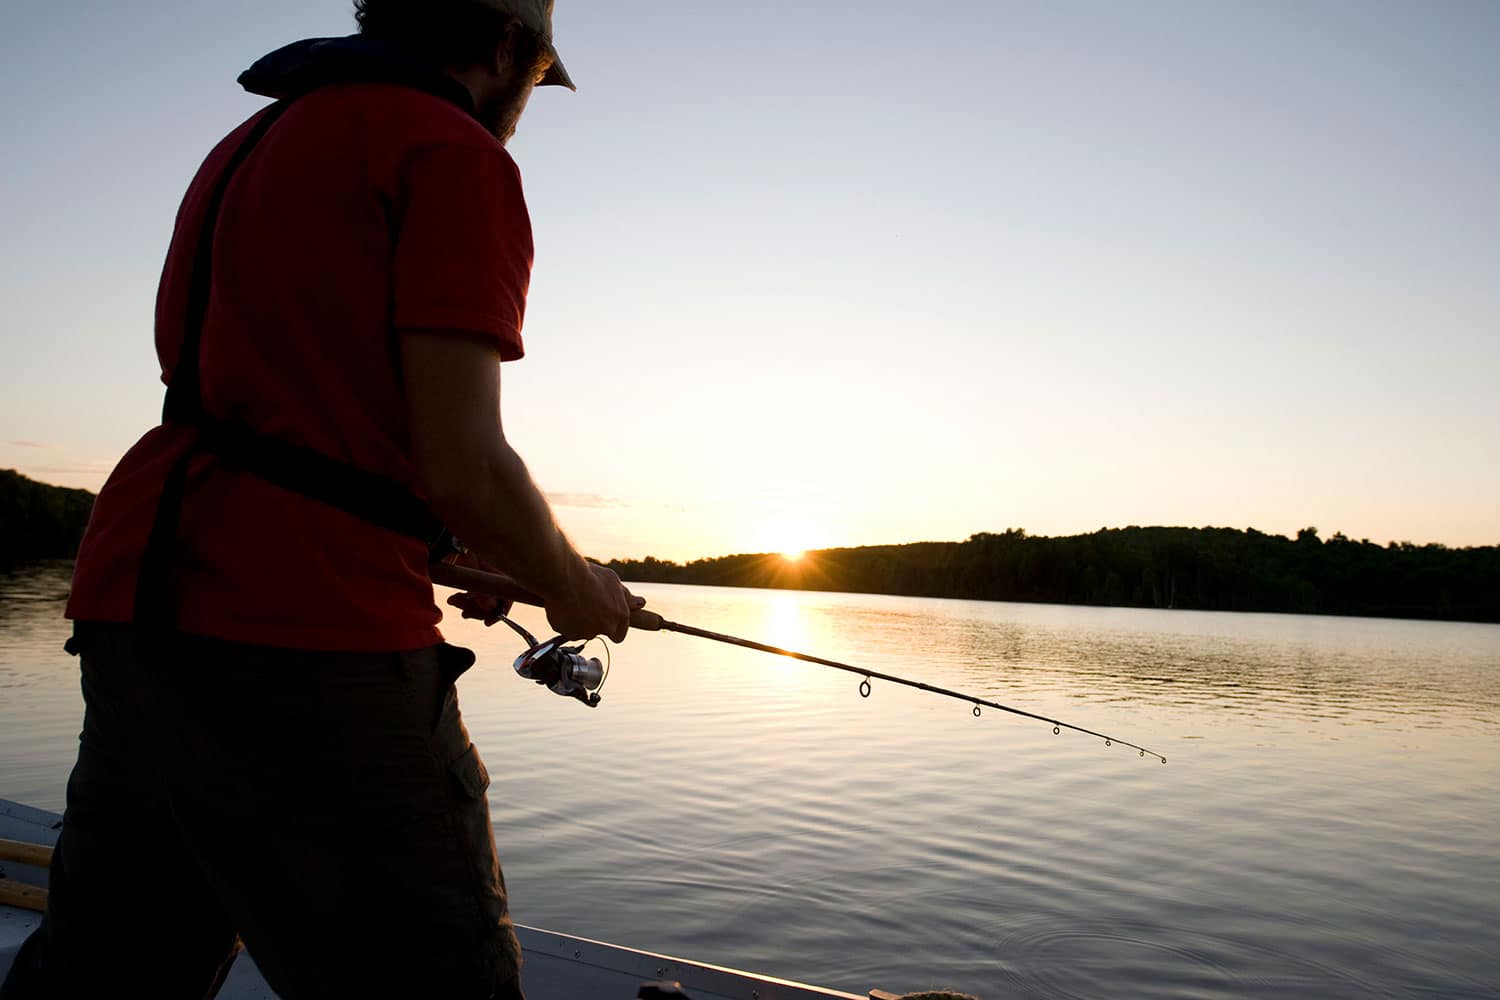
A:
38	521
1213	569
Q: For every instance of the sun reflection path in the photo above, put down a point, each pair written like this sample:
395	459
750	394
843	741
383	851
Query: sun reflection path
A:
784	617
785	622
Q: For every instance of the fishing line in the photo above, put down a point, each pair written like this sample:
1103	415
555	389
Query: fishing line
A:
655	623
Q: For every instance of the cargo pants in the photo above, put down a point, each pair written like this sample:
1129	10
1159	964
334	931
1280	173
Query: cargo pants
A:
328	809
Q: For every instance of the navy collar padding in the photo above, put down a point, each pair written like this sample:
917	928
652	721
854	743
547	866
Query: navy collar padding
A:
295	69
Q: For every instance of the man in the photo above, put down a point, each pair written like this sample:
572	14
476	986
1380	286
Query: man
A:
272	746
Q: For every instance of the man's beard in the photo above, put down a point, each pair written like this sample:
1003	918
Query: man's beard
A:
503	114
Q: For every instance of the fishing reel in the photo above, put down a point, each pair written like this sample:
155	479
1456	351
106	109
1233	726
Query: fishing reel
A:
562	669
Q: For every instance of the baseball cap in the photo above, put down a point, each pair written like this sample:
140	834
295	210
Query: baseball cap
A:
537	15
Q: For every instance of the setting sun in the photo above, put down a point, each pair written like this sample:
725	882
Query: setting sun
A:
786	540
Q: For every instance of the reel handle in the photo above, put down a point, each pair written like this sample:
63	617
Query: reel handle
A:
500	585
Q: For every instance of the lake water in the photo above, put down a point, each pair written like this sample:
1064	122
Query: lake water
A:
1328	823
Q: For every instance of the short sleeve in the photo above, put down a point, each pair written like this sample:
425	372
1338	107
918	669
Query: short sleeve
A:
463	248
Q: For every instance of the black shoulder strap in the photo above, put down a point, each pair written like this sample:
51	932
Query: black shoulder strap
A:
184	402
373	498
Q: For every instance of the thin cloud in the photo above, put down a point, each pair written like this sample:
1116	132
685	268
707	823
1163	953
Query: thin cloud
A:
592	501
82	469
26	444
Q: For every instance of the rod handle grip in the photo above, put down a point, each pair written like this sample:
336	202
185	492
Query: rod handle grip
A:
500	585
645	621
480	582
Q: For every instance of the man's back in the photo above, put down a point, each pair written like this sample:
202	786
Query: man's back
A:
367	208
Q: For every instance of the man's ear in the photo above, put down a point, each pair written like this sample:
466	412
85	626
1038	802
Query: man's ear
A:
503	62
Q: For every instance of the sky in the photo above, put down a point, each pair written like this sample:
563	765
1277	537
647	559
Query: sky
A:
829	273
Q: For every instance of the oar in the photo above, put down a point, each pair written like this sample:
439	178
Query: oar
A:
22	896
25	854
19	894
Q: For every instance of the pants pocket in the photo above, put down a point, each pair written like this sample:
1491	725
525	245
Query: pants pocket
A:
470	781
469	772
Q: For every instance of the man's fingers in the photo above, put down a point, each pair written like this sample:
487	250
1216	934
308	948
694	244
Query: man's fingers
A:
622	617
463	602
481	607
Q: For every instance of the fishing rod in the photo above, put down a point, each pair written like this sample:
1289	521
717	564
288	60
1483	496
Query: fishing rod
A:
566	671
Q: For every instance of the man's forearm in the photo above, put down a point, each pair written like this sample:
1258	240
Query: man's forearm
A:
502	515
480	487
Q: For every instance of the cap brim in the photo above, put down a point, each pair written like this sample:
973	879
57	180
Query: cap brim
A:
557	74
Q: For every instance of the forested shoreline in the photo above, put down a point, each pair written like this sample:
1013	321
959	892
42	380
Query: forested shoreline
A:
40	521
1206	569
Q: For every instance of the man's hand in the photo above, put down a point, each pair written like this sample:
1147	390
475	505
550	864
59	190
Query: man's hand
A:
487	608
597	604
484	607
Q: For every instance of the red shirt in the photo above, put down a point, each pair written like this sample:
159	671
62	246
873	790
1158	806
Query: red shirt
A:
367	209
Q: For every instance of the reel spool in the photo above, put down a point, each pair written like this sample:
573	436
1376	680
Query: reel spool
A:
560	668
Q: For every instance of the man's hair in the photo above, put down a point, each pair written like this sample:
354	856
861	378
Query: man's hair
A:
451	33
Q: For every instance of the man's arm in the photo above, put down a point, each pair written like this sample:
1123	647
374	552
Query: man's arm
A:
481	490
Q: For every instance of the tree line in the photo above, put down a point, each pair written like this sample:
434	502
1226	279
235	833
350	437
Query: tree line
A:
38	521
1207	569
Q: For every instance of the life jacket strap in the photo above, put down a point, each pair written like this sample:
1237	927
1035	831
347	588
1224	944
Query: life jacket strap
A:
368	496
